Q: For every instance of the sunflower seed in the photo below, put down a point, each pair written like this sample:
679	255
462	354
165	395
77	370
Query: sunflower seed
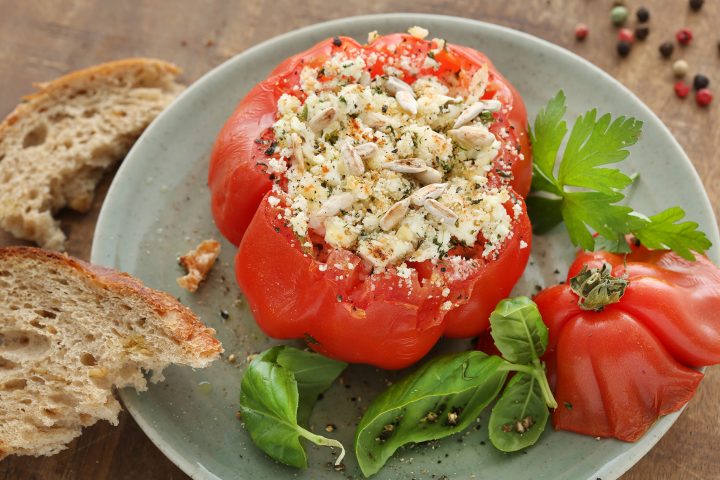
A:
469	114
393	85
406	165
335	203
366	150
407	102
474	136
376	120
322	119
478	83
365	78
434	190
297	152
440	211
430	175
353	163
394	215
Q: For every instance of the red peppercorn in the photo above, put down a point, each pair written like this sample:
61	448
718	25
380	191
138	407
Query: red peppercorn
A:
581	31
703	97
682	89
684	36
626	35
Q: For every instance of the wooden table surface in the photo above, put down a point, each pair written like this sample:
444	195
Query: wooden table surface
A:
40	40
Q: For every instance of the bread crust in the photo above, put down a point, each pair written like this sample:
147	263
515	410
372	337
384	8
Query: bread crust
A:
72	79
56	145
187	329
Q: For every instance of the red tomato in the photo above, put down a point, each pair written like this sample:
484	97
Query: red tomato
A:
348	312
618	369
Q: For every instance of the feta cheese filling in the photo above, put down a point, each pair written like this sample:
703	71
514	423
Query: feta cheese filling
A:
393	172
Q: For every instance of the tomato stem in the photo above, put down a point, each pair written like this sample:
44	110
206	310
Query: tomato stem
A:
597	288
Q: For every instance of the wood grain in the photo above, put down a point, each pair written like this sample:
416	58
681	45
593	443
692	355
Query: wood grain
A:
40	40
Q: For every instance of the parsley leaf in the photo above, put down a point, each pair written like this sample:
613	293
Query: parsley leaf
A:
663	231
584	194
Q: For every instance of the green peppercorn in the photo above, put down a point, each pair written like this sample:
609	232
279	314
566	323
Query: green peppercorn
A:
619	15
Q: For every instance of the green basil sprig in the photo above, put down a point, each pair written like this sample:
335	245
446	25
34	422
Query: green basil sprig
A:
447	394
441	398
519	417
279	389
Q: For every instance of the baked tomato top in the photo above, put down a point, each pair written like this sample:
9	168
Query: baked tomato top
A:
376	194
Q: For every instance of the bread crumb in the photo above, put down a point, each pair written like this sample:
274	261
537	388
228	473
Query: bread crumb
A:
198	263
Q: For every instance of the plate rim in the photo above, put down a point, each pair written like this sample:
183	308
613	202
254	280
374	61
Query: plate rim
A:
613	468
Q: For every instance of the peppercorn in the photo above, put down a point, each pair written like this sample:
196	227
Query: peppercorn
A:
642	14
581	31
623	48
696	5
619	15
681	89
666	49
641	33
703	97
337	42
684	36
680	68
700	81
626	35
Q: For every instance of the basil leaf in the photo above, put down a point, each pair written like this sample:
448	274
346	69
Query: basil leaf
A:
269	402
441	398
313	373
518	330
520	415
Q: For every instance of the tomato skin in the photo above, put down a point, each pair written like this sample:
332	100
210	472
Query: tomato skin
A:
348	314
617	370
357	318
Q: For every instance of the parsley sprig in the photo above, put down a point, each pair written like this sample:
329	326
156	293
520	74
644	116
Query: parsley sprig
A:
584	193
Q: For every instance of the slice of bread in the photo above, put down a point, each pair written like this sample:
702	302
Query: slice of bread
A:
69	333
56	145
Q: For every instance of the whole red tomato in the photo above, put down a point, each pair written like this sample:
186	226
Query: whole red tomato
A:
328	296
624	334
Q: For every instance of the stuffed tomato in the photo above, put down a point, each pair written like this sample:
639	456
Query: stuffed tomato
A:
376	195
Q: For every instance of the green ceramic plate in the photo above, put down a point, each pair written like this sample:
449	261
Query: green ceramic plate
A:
158	208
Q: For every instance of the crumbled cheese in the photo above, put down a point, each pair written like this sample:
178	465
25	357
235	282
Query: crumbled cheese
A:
317	173
523	244
273	201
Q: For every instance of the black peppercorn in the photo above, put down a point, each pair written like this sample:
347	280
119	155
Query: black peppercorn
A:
696	4
666	49
700	81
642	14
337	42
623	48
641	33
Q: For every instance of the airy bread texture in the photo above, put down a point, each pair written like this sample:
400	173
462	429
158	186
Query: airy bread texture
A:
55	147
69	333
